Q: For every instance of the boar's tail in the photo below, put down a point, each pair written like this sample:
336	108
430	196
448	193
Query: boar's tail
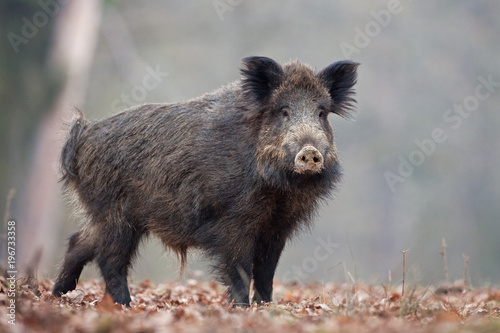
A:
68	154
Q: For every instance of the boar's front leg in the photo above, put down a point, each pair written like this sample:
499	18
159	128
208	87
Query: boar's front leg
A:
268	250
237	276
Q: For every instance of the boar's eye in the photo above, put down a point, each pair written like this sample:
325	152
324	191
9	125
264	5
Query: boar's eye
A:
285	111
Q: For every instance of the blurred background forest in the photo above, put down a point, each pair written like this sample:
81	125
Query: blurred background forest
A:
421	159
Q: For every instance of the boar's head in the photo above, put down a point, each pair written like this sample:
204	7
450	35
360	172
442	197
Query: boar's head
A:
295	140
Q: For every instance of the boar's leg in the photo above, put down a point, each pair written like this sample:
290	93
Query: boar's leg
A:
267	254
114	257
238	276
80	252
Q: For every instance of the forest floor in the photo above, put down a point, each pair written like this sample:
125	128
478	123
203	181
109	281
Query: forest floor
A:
195	306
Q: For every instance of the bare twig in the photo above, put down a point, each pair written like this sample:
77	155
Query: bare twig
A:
404	272
467	279
10	196
443	254
334	266
352	255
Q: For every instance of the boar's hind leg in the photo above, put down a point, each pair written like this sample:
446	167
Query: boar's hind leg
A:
267	253
80	251
114	256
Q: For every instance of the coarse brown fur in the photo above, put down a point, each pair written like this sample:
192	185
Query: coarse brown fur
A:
215	173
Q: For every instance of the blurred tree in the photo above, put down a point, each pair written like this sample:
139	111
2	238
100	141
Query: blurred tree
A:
50	51
27	89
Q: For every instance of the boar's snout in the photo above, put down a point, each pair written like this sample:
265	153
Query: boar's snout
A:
308	160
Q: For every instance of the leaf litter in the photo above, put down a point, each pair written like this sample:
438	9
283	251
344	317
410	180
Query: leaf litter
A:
195	306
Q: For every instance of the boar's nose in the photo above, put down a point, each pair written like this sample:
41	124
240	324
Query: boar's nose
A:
308	160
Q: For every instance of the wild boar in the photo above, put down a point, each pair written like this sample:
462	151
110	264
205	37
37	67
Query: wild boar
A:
235	173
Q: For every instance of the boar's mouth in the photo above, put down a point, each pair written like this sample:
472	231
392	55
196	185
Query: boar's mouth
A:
308	161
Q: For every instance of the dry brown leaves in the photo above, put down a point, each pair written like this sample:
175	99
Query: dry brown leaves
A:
202	307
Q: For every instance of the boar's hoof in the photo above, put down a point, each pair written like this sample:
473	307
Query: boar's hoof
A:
308	160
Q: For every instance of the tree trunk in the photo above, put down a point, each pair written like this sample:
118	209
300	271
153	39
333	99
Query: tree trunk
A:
74	41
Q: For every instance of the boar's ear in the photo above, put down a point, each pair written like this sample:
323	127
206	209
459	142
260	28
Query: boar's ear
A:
339	78
261	75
